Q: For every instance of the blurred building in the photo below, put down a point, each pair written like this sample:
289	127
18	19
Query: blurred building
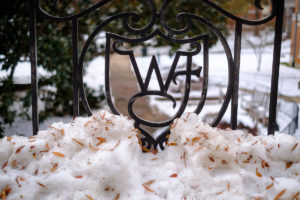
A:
295	36
289	8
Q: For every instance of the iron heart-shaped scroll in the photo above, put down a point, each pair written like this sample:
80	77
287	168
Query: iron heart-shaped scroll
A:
115	42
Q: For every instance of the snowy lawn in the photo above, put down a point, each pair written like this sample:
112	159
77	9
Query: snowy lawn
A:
100	158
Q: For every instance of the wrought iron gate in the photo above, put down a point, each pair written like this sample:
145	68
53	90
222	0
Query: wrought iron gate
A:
198	44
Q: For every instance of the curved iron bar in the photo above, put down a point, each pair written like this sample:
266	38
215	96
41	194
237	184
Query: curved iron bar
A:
72	17
147	141
205	76
136	18
241	20
162	138
179	18
228	53
84	51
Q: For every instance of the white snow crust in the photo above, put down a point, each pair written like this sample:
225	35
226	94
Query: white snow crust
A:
100	158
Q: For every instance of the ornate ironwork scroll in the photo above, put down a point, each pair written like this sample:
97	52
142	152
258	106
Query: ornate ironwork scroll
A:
158	26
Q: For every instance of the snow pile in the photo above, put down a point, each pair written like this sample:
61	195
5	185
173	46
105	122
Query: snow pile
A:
100	158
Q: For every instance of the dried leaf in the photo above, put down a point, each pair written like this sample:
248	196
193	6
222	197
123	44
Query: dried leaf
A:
173	125
184	159
149	182
173	175
257	173
148	189
228	187
224	162
108	188
280	194
13	163
211	158
87	123
154	158
296	196
295	146
288	165
117	196
145	149
89	197
54	167
78	176
77	141
265	143
269	186
137	130
115	146
186	141
196	139
173	144
58	154
226	149
250	157
258	198
155	152
20	148
93	148
5	191
101	140
8	138
47	148
129	137
264	163
42	185
205	135
4	165
108	122
17	181
22	179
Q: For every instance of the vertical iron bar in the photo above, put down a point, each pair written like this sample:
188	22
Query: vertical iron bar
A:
295	34
237	59
275	67
34	78
75	67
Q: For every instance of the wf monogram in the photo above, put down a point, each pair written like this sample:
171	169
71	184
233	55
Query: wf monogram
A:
115	43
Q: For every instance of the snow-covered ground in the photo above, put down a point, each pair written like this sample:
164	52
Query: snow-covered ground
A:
100	158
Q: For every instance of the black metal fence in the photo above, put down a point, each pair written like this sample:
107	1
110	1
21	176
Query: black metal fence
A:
158	27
